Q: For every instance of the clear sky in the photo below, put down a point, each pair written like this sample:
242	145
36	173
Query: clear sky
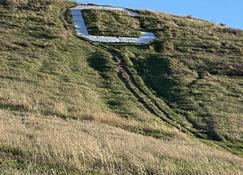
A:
229	12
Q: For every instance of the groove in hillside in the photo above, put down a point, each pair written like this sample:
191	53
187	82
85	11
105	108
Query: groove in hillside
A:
154	108
170	115
122	76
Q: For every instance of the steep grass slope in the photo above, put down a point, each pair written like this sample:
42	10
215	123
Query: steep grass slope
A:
193	73
122	25
68	106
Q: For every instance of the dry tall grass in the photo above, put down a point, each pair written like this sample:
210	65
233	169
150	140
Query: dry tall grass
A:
87	146
75	103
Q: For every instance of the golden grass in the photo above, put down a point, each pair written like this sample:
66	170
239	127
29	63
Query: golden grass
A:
78	103
87	146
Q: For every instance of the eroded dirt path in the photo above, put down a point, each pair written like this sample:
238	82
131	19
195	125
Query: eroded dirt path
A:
150	103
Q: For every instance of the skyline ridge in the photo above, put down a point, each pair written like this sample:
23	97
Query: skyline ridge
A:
227	13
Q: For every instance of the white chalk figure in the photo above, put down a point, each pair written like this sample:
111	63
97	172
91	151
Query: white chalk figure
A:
82	31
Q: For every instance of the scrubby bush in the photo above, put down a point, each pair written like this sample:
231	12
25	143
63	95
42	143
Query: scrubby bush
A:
233	31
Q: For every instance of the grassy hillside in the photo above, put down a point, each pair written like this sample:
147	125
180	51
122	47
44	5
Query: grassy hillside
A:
99	23
68	106
193	72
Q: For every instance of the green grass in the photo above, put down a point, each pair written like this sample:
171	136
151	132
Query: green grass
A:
65	110
123	25
195	67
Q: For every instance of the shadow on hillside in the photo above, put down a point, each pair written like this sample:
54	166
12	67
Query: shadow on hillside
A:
158	75
155	73
99	62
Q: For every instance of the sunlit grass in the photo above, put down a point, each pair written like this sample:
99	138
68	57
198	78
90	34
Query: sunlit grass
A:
64	110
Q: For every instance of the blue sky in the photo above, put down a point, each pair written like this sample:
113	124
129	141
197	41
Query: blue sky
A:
229	12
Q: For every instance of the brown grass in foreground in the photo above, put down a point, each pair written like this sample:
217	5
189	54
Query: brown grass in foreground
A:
87	145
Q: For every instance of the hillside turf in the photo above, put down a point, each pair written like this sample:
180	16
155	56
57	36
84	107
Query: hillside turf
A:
69	106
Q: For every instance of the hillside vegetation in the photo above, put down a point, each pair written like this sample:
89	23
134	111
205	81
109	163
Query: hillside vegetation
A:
193	72
111	23
69	106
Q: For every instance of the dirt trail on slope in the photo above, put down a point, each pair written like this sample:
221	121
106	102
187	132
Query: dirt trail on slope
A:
149	103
